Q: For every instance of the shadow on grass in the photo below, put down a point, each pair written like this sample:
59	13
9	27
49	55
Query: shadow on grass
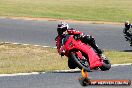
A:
127	50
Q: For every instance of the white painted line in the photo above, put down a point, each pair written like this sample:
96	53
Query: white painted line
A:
114	65
16	43
25	44
19	74
46	46
71	70
4	42
37	45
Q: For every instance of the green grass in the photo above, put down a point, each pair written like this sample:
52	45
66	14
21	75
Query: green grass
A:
19	59
117	57
93	10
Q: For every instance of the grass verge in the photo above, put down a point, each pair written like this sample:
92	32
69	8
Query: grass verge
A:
28	58
93	10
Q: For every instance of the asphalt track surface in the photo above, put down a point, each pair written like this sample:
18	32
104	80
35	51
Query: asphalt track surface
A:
65	79
43	32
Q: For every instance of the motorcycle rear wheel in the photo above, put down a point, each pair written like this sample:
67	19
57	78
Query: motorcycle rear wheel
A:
80	63
106	65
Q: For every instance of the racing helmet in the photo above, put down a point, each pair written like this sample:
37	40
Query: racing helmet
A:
63	26
127	24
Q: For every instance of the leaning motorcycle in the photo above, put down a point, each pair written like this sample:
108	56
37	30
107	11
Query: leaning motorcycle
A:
82	55
128	38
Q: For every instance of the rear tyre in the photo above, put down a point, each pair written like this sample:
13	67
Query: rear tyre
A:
106	65
80	63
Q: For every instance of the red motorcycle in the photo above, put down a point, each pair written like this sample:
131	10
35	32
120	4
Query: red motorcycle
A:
82	55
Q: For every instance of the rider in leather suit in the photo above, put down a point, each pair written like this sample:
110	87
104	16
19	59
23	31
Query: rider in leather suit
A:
127	29
63	29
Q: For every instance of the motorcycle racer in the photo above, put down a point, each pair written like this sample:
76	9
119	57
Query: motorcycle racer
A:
128	30
63	29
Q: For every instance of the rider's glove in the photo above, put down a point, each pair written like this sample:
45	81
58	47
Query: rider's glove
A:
82	35
62	50
62	54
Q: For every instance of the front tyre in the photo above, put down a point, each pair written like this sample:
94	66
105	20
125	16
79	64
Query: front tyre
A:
71	63
81	63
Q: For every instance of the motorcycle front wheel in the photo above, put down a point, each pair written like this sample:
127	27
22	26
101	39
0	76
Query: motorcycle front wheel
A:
81	63
71	63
